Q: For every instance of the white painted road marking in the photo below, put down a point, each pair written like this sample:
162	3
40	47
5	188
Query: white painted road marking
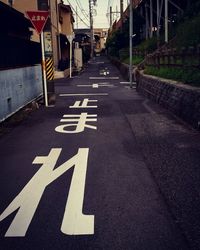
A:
78	122
105	84
84	104
103	77
96	85
102	83
26	202
84	85
91	94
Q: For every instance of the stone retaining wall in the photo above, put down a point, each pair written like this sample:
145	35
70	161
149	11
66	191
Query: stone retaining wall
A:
182	100
123	68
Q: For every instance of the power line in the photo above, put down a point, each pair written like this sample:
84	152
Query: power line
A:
77	14
108	7
82	10
109	14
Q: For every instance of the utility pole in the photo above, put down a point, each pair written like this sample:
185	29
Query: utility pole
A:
116	13
131	43
121	11
151	19
91	5
158	19
147	21
91	28
76	17
158	24
159	13
111	13
47	58
166	21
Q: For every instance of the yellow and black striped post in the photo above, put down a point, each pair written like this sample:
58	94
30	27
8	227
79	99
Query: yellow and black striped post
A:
49	69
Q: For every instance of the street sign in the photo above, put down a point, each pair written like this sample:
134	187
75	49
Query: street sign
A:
47	43
38	19
70	38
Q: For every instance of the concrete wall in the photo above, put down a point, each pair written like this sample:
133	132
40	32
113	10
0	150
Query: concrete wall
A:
123	68
19	87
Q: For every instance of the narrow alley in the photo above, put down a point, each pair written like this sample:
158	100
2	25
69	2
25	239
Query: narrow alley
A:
104	168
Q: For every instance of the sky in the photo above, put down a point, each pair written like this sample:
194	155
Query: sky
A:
102	8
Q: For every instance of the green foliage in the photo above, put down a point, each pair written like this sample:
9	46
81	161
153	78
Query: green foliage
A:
185	31
124	53
136	60
188	33
124	57
192	9
148	45
190	76
119	39
116	41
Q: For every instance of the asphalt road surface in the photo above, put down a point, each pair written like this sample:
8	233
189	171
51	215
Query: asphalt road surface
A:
104	169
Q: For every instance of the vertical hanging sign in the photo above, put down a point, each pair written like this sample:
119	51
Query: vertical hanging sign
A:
47	43
38	20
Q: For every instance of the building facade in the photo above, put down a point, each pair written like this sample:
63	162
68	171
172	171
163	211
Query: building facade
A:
20	62
61	23
23	6
100	36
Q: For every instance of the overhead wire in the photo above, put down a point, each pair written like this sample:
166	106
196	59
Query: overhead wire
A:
77	14
108	7
108	11
110	4
82	9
